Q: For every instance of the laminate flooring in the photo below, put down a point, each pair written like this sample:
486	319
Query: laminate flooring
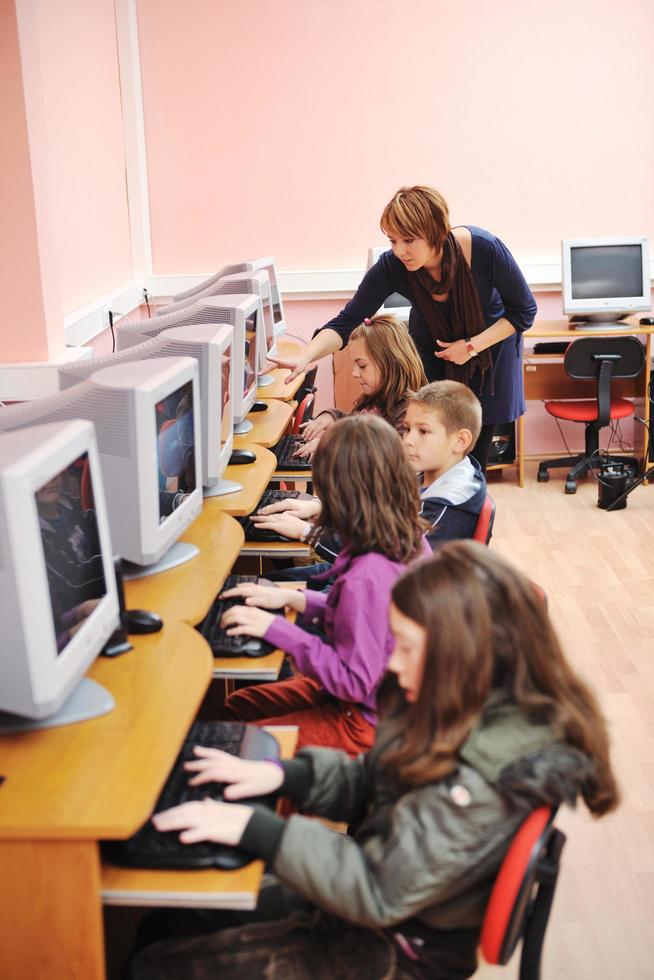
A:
597	569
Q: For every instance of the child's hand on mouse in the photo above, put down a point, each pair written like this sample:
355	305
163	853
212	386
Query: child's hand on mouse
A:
286	524
209	820
246	777
247	621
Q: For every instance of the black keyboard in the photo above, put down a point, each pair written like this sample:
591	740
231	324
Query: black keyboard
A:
254	533
149	848
221	644
284	452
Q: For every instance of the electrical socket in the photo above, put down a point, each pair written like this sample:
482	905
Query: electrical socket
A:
105	316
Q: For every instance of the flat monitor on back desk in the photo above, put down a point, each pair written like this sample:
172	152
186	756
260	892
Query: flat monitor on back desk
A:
604	280
58	597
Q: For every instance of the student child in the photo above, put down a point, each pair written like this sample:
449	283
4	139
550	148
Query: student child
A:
386	365
442	423
482	722
370	500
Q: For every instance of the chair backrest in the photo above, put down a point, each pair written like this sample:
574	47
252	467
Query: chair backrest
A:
484	528
521	898
583	358
303	411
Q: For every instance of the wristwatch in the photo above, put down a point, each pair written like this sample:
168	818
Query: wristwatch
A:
471	350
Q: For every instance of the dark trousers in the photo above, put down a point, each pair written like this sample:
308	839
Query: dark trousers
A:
482	447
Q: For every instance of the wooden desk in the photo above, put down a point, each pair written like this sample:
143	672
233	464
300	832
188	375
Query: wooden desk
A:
66	788
267	427
249	668
185	593
275	549
208	888
253	477
278	389
291	476
545	378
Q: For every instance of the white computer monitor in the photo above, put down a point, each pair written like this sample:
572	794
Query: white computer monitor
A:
212	347
605	279
149	440
255	283
199	289
58	598
244	313
394	305
268	264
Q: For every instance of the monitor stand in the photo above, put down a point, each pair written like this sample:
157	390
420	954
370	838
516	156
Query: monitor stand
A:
178	554
264	380
88	700
240	428
599	321
221	488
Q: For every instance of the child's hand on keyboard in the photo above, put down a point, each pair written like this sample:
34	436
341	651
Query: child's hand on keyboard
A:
286	524
304	509
266	596
246	777
316	427
208	820
307	449
247	621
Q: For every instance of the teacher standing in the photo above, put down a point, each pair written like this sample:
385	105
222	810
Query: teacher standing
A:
470	305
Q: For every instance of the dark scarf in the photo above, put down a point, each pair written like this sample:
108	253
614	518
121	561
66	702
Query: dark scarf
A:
467	319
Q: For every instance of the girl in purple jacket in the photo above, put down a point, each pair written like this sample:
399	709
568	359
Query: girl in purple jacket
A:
370	500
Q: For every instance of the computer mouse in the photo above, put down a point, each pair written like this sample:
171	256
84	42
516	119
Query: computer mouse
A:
647	321
141	621
259	407
240	456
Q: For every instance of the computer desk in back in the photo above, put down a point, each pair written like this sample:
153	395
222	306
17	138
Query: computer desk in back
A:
545	377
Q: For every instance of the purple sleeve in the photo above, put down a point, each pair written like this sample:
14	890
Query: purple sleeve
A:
351	666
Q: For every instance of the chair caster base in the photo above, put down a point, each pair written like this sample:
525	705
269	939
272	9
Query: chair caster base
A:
570	486
543	476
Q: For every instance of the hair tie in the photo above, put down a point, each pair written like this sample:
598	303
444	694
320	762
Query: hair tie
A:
367	321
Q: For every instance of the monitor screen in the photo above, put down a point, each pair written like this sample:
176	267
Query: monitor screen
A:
396	301
176	449
606	271
250	364
276	304
71	548
226	389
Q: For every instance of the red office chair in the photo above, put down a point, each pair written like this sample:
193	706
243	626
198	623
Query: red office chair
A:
303	412
484	527
602	359
521	899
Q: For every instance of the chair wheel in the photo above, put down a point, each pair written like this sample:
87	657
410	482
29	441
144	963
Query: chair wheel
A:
570	486
543	476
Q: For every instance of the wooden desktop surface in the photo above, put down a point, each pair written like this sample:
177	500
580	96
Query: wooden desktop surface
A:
279	389
253	477
100	778
185	593
267	427
208	888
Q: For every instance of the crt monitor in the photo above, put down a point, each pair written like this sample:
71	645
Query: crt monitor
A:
149	439
394	305
266	263
211	346
605	279
256	283
58	599
240	312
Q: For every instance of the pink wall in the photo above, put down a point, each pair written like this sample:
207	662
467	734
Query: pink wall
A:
285	126
83	118
19	246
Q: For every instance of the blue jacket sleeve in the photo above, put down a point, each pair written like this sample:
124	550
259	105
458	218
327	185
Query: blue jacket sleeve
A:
519	303
380	281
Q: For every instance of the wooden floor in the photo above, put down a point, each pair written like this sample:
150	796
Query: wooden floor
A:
598	571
